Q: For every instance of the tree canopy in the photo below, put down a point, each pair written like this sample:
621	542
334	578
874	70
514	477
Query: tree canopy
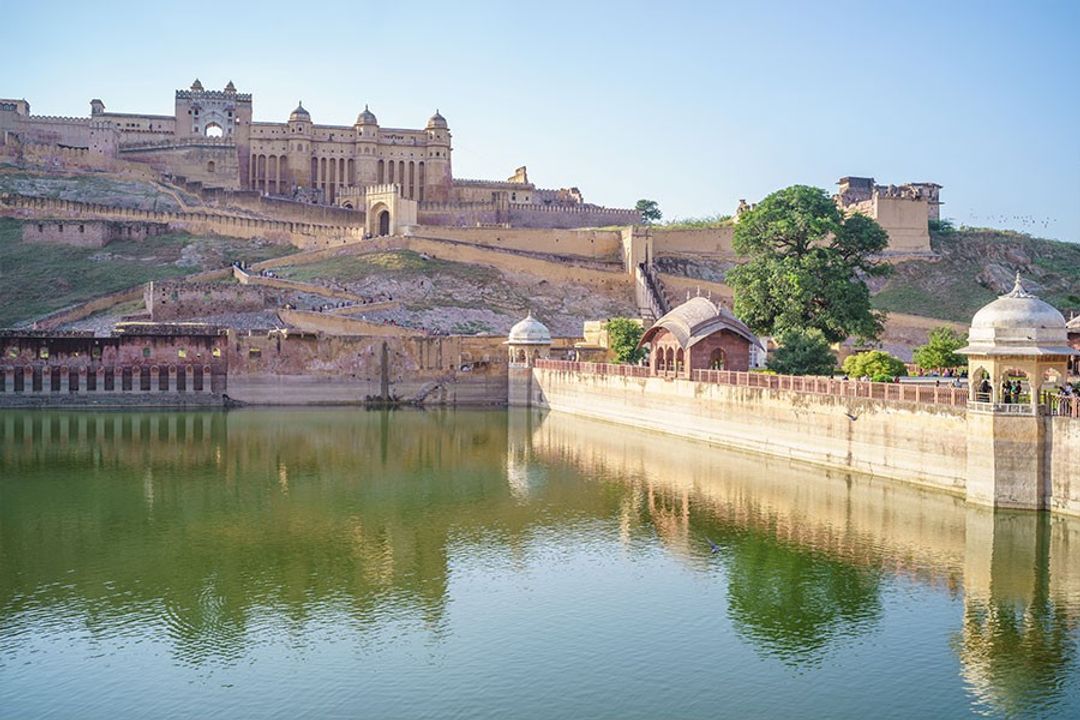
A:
939	352
874	364
802	352
806	266
649	211
623	336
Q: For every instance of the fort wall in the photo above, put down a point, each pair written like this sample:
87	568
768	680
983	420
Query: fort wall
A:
598	244
181	299
300	234
695	241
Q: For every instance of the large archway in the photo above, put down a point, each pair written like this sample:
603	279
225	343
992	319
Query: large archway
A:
214	130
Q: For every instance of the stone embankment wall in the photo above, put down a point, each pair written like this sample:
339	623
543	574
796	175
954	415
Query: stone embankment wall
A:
695	241
1064	462
303	368
917	443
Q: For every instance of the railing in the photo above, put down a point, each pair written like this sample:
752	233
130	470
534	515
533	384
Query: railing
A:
1002	408
794	383
593	368
817	385
1059	406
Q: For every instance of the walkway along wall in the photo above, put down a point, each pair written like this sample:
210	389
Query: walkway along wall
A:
922	443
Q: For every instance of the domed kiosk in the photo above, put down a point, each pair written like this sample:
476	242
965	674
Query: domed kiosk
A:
529	340
1018	355
1019	341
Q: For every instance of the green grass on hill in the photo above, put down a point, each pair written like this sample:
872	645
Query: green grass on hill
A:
36	279
975	266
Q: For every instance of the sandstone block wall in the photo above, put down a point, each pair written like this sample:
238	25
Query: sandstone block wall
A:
920	444
595	244
1064	463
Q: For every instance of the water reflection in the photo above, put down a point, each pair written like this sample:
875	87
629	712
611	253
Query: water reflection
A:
211	526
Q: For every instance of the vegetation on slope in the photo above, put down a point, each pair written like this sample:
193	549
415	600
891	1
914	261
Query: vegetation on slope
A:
36	279
976	265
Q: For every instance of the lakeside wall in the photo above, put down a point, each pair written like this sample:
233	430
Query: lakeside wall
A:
916	443
932	445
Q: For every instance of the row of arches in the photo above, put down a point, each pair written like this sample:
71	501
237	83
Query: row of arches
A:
1012	386
172	378
411	176
268	173
671	359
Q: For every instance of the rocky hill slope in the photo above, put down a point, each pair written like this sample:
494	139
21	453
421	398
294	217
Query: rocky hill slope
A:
977	265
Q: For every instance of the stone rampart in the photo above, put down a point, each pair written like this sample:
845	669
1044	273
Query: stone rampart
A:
299	234
594	244
1064	461
694	241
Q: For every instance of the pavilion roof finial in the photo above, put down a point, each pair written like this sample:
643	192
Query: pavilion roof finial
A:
1019	291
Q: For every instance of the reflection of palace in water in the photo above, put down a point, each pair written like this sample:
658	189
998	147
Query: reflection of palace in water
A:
237	512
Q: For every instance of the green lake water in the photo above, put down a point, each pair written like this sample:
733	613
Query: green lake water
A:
476	564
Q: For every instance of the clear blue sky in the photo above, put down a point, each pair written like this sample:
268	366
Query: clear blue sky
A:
693	104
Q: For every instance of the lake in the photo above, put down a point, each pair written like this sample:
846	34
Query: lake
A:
492	564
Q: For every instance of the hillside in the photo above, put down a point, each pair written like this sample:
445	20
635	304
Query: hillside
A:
460	298
36	279
977	265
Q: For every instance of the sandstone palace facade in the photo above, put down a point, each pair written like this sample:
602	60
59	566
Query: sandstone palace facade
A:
213	139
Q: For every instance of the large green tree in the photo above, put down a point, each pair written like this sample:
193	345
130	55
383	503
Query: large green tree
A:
806	266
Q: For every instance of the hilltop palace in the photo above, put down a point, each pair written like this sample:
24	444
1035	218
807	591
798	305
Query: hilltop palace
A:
396	177
212	139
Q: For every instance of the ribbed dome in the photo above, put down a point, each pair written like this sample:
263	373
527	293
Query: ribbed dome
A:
436	122
366	118
1018	323
529	331
300	114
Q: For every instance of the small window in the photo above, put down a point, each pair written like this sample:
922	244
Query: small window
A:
181	353
82	228
40	227
216	352
43	353
146	352
95	352
60	227
254	353
12	353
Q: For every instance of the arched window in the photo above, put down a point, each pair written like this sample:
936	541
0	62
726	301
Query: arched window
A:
679	360
716	359
210	166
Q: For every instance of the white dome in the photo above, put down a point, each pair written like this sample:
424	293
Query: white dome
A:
1018	323
529	331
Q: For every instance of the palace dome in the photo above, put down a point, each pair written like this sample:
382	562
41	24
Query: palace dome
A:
437	122
366	118
1018	323
300	114
529	331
